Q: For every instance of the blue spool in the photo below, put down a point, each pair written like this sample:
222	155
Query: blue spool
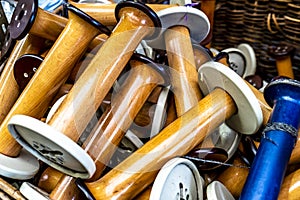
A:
278	140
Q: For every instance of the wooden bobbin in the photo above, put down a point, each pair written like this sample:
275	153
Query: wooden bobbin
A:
36	97
290	187
9	90
88	92
104	13
180	30
282	54
43	24
183	134
24	166
278	138
234	178
113	124
208	7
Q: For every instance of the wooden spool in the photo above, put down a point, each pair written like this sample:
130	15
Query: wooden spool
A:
112	126
9	90
282	54
104	13
290	187
36	97
178	23
89	91
139	170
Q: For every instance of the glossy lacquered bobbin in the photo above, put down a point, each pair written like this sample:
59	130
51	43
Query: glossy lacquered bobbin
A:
178	32
9	89
59	61
104	13
104	139
283	55
22	166
116	52
25	14
181	136
278	138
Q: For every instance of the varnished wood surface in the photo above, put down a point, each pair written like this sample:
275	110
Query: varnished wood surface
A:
184	76
105	13
145	195
139	170
9	89
234	178
90	89
290	188
125	106
208	7
49	179
95	82
49	26
62	192
49	77
284	67
113	124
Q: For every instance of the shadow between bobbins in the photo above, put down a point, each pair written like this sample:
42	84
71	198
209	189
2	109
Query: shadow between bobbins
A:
183	134
36	97
113	55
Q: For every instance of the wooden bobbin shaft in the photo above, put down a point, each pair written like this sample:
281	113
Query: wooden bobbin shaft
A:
102	72
180	30
138	171
113	124
234	178
208	7
290	187
49	77
104	13
9	90
282	54
49	26
88	92
181	136
183	73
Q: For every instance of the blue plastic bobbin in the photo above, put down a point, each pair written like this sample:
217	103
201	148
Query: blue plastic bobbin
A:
277	142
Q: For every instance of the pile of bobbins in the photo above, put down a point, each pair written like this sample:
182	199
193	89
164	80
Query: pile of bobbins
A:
88	112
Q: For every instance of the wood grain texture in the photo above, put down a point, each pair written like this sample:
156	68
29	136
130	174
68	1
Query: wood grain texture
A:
234	178
9	89
49	77
105	13
208	7
284	67
96	81
49	179
139	170
184	76
290	188
113	124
